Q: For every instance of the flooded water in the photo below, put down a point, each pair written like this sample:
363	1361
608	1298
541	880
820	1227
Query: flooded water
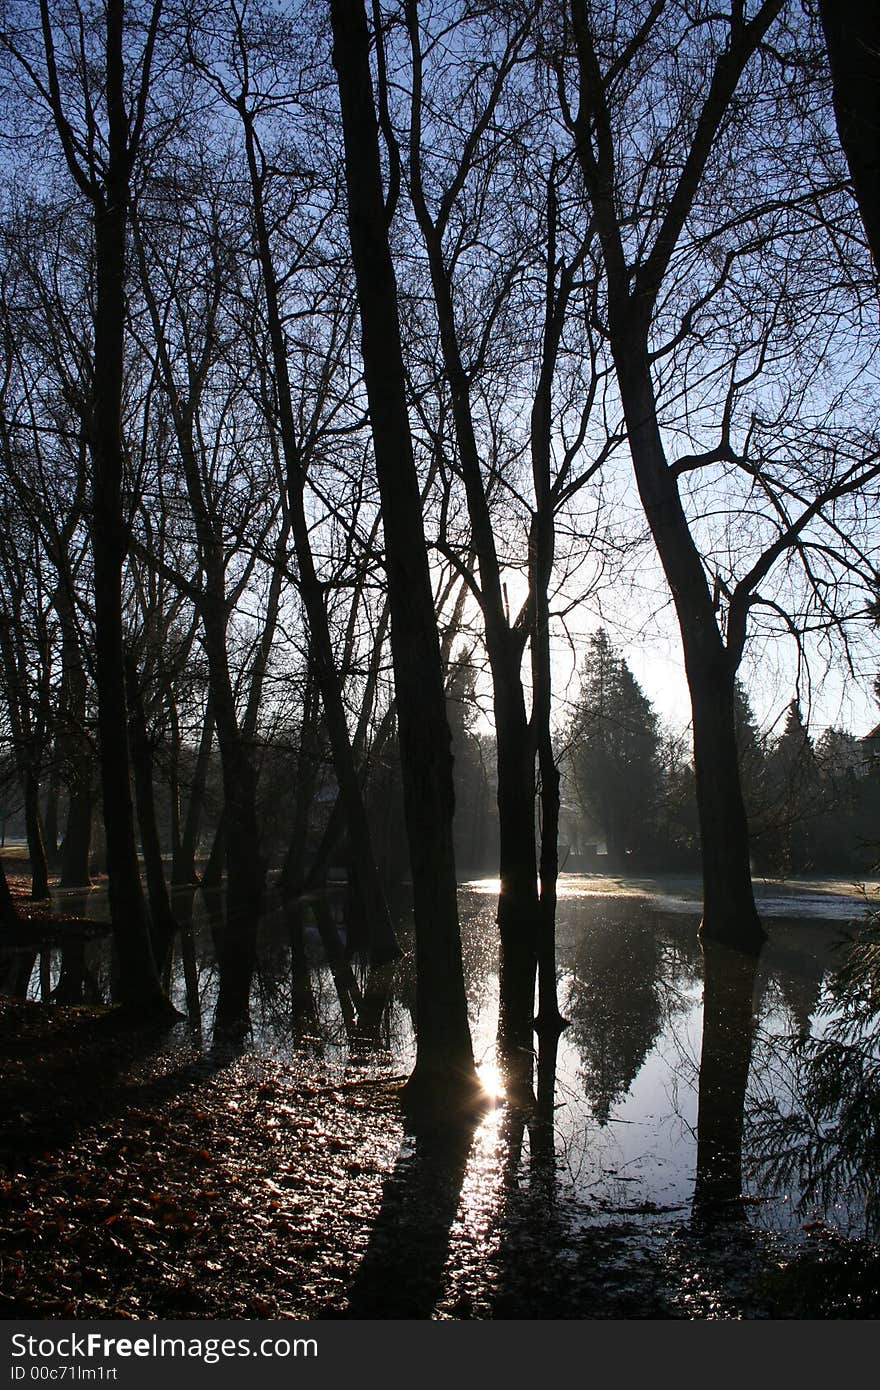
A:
654	1103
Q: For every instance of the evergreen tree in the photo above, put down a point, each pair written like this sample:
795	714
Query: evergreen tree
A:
614	753
794	797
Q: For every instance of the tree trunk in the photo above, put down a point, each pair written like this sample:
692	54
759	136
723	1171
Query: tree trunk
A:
8	914
25	752
729	912
518	910
34	830
852	35
162	924
244	867
50	819
212	874
76	750
518	907
183	866
139	985
549	1016
76	850
728	1028
290	879
444	1074
383	942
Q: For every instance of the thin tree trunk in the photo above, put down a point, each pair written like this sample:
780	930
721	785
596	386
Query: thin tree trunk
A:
444	1072
24	751
244	866
77	751
518	908
293	870
183	867
34	830
162	924
50	818
383	942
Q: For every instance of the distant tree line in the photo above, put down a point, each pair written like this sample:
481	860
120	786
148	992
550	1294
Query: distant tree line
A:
813	804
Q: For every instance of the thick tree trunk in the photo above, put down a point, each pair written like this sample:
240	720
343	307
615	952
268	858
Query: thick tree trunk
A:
8	914
729	912
852	35
728	1029
139	985
77	846
444	1072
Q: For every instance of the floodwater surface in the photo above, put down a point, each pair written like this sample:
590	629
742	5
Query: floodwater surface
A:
689	1086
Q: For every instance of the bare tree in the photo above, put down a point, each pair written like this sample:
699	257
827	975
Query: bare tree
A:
659	116
444	1071
101	139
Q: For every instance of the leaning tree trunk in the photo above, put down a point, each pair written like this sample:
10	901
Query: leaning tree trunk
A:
729	912
444	1073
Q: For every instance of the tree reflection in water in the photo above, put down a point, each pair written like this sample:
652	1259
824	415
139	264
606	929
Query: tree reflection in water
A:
619	1141
814	1122
614	1001
725	1057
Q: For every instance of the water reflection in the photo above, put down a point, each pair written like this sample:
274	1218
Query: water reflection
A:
681	1072
813	1121
614	1002
728	1027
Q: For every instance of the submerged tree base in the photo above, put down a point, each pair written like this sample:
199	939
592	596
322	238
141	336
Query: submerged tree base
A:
739	932
440	1096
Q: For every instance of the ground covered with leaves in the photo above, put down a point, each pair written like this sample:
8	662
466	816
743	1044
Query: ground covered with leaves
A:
143	1177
